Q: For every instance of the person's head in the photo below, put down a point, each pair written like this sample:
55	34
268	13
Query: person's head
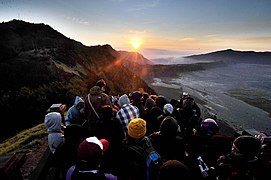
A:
160	101
169	126
246	145
174	169
101	83
79	103
74	134
185	95
188	103
150	103
136	97
209	127
62	109
145	96
173	102
90	151
80	106
168	109
137	128
124	99
106	112
265	153
52	121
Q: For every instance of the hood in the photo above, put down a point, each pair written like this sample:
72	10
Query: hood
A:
77	100
124	99
95	90
169	126
52	122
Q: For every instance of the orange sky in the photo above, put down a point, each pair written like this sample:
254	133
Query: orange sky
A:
167	27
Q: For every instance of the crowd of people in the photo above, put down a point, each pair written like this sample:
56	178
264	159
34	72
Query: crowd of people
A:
140	136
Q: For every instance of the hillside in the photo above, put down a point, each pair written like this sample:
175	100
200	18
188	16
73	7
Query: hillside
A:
233	56
40	66
135	57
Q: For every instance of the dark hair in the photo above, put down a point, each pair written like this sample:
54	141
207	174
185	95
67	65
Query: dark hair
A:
169	126
174	169
106	112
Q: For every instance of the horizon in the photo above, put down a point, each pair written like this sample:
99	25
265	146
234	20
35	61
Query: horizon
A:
156	28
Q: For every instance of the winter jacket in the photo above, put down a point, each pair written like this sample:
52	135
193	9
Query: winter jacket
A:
97	98
52	122
75	115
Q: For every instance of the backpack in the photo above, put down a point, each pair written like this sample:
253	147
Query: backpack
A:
152	158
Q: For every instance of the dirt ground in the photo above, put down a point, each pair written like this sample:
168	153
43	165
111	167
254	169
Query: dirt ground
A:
33	157
171	93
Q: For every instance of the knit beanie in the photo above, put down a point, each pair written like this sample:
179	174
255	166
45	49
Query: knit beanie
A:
168	108
90	150
247	145
137	128
124	99
105	144
209	127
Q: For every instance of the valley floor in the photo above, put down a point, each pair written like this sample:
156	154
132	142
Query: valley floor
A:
172	93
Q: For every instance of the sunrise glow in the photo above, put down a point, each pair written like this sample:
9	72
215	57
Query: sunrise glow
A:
136	44
157	28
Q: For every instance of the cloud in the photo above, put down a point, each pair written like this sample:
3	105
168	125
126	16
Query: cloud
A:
76	20
212	35
137	32
144	6
83	22
119	1
153	53
187	39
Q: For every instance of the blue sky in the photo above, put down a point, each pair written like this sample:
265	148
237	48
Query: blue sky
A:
160	27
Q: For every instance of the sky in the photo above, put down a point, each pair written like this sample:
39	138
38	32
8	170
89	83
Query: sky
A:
155	28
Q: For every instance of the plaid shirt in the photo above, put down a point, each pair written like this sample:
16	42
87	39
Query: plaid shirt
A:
126	114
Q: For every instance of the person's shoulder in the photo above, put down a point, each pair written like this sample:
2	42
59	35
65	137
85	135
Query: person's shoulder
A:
155	138
109	176
134	107
104	94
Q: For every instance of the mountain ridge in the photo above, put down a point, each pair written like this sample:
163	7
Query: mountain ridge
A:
230	55
40	66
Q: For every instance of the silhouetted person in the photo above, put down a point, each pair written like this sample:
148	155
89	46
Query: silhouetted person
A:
93	104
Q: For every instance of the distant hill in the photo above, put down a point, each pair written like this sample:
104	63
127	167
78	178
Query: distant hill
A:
134	57
40	66
230	55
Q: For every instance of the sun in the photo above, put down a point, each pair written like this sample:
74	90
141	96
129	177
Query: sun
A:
136	44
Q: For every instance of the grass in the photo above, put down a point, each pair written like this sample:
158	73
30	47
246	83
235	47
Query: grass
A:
23	141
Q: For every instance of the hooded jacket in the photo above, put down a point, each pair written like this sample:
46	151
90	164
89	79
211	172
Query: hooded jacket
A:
52	122
74	116
97	98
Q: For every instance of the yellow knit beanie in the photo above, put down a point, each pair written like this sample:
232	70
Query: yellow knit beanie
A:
137	128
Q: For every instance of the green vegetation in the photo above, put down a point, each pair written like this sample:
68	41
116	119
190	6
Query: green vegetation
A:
40	67
23	140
